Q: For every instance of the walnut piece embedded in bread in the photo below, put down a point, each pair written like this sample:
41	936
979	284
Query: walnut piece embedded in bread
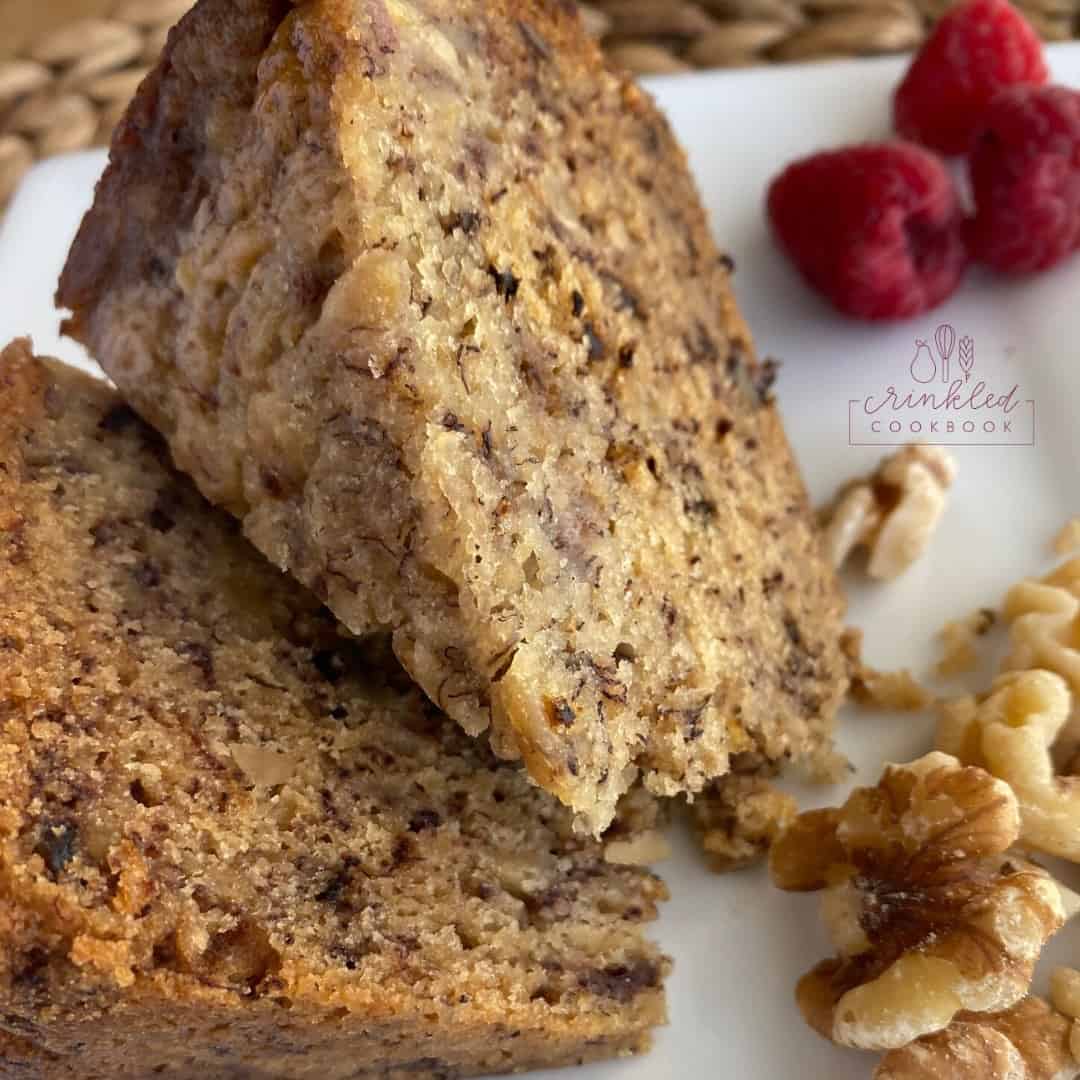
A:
424	294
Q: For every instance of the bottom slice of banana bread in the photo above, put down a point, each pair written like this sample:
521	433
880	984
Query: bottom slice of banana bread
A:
236	843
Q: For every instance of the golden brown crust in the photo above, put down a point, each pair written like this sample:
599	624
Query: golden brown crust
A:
449	333
163	119
234	842
197	1036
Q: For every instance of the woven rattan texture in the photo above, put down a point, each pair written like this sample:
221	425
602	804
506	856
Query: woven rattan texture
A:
66	88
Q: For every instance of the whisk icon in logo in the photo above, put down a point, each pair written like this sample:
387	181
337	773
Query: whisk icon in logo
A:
946	403
926	366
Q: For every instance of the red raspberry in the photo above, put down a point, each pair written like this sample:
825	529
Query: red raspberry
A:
1025	177
876	228
976	49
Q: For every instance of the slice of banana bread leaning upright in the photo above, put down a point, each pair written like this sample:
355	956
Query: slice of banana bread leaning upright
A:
424	293
233	843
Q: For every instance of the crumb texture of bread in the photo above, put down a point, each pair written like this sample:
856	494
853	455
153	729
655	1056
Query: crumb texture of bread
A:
427	298
235	842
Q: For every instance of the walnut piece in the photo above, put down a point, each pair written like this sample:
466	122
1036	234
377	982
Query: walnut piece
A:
896	690
958	638
644	849
928	915
1029	1041
1065	991
875	689
893	513
1044	623
871	688
1065	997
262	766
1011	733
1068	538
738	818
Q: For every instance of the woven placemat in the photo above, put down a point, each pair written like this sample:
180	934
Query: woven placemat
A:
67	87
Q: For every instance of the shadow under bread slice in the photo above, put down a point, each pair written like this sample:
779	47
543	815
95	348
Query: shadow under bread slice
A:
423	292
235	842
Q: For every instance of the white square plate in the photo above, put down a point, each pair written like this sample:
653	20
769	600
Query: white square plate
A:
738	944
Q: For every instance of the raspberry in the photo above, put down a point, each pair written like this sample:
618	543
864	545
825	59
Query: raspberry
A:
1025	179
976	49
877	228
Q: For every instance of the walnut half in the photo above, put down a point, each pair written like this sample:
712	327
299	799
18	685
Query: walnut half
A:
893	513
1012	733
928	914
1030	1041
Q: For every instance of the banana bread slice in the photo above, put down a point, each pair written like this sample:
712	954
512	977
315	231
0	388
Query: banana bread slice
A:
234	843
424	294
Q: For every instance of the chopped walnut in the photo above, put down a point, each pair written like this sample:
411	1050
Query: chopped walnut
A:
958	642
928	915
639	811
849	521
1065	996
636	837
875	689
851	643
1044	623
892	513
643	849
897	690
738	818
1068	538
1065	991
1029	1041
1011	733
1066	751
262	766
824	765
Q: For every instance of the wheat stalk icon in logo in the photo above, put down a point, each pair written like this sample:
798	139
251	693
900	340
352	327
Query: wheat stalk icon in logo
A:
945	340
966	356
923	364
